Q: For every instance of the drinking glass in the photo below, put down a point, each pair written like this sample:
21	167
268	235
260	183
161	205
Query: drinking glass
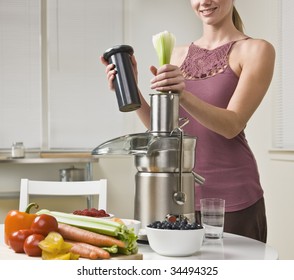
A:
212	217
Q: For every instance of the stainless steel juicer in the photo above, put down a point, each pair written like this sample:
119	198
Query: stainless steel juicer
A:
164	158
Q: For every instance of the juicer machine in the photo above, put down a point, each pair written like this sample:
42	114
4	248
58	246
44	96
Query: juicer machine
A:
164	158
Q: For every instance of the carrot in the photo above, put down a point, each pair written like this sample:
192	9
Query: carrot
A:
93	238
88	251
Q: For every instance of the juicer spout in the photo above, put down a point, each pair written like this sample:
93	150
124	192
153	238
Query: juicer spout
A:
198	179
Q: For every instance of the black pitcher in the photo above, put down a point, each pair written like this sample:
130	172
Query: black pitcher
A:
124	83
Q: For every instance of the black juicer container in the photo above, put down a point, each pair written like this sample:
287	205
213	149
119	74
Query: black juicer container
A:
124	83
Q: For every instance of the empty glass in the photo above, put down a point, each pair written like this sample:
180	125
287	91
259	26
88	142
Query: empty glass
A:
212	217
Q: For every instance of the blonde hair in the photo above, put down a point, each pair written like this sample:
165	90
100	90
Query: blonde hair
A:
237	20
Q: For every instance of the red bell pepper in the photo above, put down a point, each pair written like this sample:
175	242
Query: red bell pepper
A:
16	220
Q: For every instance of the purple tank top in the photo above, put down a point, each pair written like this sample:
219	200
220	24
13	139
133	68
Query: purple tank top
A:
228	165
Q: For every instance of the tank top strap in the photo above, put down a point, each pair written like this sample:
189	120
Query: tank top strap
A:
201	63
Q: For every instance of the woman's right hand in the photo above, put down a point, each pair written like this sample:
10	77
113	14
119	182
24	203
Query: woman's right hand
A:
111	71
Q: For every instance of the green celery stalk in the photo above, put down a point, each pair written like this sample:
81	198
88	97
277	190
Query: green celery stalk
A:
98	225
78	217
112	250
164	43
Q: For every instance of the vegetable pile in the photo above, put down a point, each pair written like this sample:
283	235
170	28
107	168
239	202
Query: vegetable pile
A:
62	236
111	236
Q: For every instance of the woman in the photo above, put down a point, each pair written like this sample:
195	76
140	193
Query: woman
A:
222	78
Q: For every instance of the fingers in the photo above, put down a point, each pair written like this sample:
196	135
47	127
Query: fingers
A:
110	71
168	78
134	61
153	70
172	85
103	60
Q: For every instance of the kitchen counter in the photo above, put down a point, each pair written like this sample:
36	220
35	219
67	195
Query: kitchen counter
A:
231	247
44	159
50	157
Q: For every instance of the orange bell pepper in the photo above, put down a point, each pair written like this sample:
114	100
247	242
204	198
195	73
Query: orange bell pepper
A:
16	220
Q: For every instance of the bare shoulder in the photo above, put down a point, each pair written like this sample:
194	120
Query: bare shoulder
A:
179	54
252	53
252	49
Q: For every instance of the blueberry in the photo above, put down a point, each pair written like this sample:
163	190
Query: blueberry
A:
179	224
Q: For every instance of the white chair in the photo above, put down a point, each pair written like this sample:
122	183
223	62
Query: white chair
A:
56	188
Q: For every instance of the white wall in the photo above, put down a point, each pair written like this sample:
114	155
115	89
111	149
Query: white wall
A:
277	176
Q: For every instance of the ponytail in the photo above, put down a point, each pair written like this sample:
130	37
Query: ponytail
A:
237	20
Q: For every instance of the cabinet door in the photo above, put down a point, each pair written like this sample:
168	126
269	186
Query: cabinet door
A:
53	88
20	73
82	112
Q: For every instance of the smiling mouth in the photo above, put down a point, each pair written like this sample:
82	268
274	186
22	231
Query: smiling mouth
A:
207	11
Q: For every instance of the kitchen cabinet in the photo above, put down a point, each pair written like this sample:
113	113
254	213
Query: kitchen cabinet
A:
55	96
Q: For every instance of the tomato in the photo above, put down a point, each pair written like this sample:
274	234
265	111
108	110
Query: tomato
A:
43	224
16	239
31	243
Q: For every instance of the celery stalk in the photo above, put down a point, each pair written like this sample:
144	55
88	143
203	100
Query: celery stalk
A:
98	225
112	250
163	43
80	217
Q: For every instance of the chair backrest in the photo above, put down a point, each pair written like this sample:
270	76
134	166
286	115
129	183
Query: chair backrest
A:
56	188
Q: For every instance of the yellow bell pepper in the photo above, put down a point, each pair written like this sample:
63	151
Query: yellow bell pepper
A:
55	248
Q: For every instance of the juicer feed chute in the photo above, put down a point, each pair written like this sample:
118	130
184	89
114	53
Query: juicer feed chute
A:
126	145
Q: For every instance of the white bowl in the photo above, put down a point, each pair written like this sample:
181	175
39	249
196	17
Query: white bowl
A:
175	243
108	217
135	224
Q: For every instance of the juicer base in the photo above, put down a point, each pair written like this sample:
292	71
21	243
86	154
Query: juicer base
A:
142	237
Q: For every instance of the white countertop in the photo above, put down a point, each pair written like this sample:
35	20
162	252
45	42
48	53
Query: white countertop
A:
231	247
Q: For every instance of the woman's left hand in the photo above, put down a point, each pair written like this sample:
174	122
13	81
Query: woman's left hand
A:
167	78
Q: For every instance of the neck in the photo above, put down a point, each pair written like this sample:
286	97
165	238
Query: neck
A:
216	35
